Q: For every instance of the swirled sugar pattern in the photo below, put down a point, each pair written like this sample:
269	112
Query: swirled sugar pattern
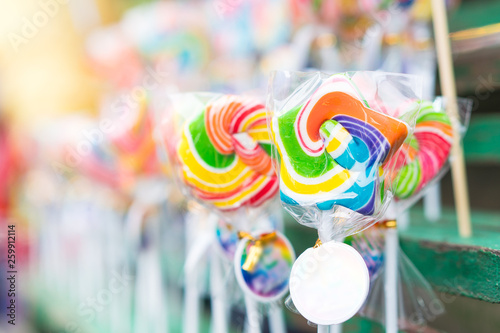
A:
224	154
425	154
332	148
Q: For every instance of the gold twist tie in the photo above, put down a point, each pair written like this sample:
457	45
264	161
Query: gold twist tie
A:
256	249
390	224
317	244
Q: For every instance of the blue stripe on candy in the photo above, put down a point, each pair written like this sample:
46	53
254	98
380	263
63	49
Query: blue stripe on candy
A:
377	144
363	200
369	148
286	199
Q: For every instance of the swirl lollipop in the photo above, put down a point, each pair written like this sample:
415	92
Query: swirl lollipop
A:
333	146
222	157
425	154
224	154
422	160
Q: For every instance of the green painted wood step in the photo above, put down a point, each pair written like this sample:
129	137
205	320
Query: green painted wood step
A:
467	267
482	141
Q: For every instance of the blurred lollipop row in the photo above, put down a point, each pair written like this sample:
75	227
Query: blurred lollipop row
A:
170	198
334	149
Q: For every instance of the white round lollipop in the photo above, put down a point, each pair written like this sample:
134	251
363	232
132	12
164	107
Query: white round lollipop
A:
329	283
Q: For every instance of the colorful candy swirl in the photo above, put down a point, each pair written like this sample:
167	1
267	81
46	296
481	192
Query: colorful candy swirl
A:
224	154
424	155
332	148
134	142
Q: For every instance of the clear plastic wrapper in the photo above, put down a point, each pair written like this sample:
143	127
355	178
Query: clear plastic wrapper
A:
220	151
333	134
417	302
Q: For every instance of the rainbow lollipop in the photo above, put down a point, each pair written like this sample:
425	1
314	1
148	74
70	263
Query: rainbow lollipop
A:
332	148
426	152
224	154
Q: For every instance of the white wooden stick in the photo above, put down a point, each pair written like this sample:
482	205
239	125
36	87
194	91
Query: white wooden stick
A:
432	203
391	280
404	220
218	294
276	319
323	329
447	78
336	328
253	316
191	311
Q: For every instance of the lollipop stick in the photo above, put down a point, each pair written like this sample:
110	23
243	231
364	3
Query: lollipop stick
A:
390	283
191	292
323	329
198	244
447	78
133	221
336	328
191	304
432	202
253	316
276	319
219	306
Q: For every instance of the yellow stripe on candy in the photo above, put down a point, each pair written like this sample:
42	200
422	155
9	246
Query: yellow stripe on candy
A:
256	117
242	196
341	136
329	185
260	135
206	180
214	185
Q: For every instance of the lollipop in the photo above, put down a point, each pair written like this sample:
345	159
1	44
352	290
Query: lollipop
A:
332	147
133	139
224	154
426	152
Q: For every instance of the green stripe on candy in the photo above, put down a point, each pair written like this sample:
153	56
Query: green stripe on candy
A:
303	164
408	179
204	146
327	127
412	142
428	113
268	148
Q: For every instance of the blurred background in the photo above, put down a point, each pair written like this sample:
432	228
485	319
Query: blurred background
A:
85	184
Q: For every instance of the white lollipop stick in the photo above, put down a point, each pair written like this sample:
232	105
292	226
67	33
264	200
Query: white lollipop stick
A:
391	280
148	275
253	316
276	319
404	220
191	292
191	304
323	329
197	244
219	304
432	202
336	328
